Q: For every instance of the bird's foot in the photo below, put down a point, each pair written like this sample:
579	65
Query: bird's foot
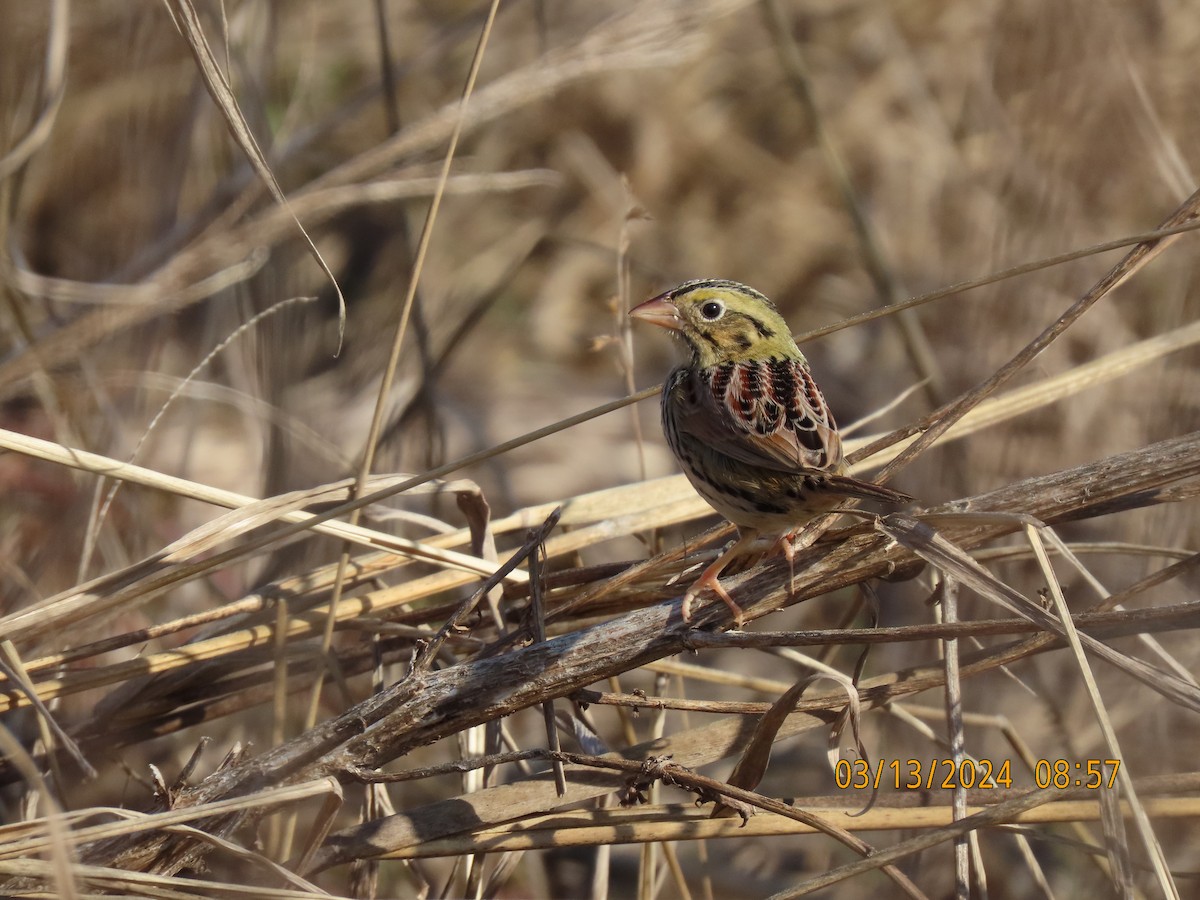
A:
790	543
709	580
785	546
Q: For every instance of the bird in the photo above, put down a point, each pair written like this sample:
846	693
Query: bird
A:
746	421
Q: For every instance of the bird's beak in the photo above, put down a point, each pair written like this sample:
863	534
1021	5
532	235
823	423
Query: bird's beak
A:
658	311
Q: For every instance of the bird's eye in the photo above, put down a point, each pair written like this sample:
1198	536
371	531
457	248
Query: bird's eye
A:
712	310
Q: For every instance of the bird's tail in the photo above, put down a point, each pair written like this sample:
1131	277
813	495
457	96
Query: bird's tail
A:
867	491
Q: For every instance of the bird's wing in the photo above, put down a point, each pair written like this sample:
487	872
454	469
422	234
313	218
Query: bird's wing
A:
767	413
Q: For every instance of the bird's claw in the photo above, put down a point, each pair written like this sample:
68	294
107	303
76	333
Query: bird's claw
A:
710	581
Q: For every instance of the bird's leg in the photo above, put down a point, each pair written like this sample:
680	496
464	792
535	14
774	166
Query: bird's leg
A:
792	542
785	546
789	551
709	579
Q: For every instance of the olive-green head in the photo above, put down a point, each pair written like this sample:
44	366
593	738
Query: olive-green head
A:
722	321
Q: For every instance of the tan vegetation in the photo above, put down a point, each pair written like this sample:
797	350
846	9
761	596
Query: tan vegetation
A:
274	580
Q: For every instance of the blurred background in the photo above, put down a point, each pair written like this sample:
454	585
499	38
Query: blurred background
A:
668	140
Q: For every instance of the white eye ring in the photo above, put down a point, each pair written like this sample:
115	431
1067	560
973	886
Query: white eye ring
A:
711	310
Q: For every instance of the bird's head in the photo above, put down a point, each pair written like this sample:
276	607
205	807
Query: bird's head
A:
722	321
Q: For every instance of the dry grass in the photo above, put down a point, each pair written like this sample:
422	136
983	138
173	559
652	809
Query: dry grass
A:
357	686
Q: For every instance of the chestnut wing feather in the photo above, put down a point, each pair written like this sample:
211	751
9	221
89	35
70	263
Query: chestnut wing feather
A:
767	413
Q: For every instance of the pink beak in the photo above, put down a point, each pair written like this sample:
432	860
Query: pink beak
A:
658	311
